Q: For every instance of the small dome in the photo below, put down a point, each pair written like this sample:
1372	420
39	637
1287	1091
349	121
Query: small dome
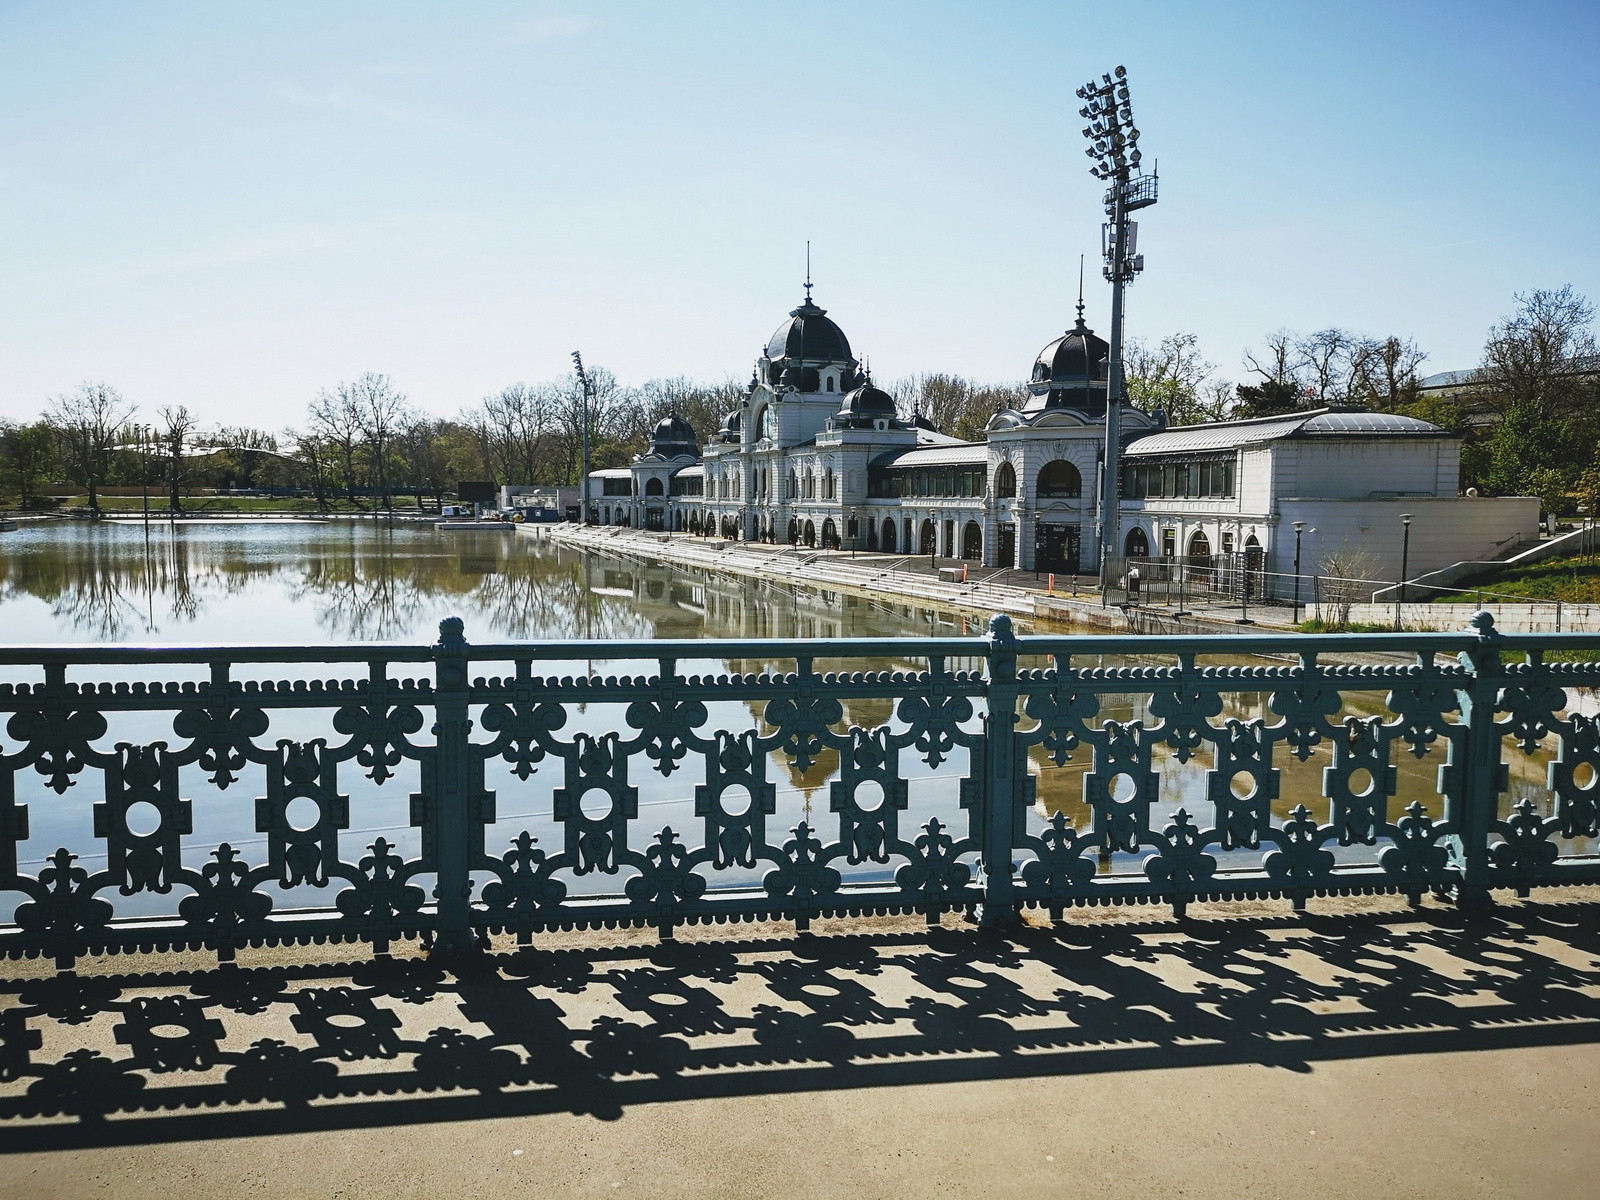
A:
1071	371
809	334
867	401
674	437
731	425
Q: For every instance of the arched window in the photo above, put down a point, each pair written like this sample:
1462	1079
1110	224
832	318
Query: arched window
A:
830	535
827	484
830	383
811	534
1137	544
972	541
888	535
930	539
1005	482
652	487
1059	480
1200	547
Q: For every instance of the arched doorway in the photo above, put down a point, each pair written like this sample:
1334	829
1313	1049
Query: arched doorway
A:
1199	552
830	535
811	534
794	532
929	542
1136	545
1005	482
652	487
888	535
1059	480
972	541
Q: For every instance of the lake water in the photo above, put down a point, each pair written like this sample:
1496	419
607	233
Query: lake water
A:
315	583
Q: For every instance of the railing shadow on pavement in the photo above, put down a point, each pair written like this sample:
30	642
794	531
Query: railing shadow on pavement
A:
239	1051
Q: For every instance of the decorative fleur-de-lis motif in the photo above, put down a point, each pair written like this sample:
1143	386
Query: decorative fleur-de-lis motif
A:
801	876
1061	869
935	872
1185	718
1527	849
667	728
1422	707
1306	711
58	740
68	904
525	886
380	730
665	880
1184	864
219	736
802	723
936	721
521	727
378	894
1301	861
1416	855
221	900
1532	708
1061	716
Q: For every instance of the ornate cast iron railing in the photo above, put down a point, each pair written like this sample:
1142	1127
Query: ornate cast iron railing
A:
992	721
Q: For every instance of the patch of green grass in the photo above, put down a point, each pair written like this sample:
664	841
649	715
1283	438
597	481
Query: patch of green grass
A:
1571	580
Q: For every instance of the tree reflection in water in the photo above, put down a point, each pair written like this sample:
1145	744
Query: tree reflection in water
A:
359	581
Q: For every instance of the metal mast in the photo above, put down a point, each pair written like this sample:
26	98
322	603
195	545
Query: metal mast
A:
588	394
1114	145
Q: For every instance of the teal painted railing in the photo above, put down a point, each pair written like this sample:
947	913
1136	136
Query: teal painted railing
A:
987	708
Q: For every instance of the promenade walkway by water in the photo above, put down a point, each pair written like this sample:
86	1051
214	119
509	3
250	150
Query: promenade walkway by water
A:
1362	1048
1064	598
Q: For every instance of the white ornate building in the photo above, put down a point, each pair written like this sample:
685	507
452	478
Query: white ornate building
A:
816	455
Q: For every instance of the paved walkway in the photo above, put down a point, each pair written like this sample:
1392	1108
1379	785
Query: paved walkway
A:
1062	597
1361	1050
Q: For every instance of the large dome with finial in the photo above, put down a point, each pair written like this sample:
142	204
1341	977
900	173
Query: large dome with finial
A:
808	334
674	438
1071	371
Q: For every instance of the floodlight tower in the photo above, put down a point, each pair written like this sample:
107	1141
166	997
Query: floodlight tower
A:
588	394
1114	147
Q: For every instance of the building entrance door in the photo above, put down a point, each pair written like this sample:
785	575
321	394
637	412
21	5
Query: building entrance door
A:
653	519
1055	548
1008	547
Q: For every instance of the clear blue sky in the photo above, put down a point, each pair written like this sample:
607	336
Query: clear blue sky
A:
230	206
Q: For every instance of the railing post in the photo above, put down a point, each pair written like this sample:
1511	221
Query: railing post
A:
1473	802
1000	784
451	784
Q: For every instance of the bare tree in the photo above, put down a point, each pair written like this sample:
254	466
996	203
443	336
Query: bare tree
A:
90	422
177	425
1347	572
1169	376
336	423
1542	357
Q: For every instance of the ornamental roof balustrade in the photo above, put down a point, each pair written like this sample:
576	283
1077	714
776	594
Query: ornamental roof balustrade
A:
368	813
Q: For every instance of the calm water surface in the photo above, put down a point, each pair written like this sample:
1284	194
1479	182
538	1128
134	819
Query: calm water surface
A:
318	583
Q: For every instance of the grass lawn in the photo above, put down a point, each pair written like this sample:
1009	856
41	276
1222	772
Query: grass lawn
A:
1572	580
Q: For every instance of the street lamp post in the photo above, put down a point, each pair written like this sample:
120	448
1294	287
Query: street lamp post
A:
1405	555
1114	147
144	477
587	389
1299	528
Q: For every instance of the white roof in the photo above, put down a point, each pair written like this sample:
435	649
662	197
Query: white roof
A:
1319	422
960	454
